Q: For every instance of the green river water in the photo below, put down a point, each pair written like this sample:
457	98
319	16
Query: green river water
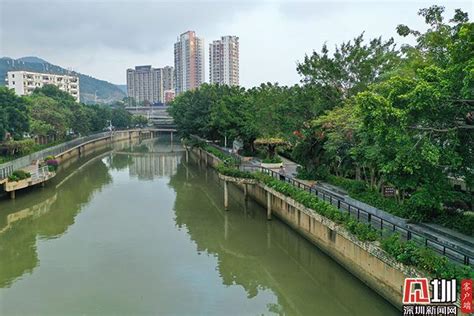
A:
138	231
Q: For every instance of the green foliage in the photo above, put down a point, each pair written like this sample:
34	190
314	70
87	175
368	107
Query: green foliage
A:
367	111
462	222
410	253
51	116
13	114
226	170
139	121
274	159
225	158
18	175
351	69
121	118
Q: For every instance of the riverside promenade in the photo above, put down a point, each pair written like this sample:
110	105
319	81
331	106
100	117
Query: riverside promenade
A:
455	246
442	234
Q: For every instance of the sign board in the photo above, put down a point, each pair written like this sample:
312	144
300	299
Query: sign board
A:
388	191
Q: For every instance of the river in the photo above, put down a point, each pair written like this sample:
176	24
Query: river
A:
138	231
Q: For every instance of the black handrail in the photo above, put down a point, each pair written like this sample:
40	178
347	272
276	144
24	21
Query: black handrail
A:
377	222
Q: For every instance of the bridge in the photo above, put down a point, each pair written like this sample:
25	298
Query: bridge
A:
158	115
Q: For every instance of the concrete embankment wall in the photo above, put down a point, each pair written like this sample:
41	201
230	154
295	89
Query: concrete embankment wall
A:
92	145
66	150
365	260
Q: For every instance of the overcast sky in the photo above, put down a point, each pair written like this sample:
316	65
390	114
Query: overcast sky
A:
103	38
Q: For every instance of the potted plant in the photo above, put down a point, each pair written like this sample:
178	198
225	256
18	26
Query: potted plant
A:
271	160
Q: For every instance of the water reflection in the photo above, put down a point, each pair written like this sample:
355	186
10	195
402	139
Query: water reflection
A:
160	246
259	255
40	214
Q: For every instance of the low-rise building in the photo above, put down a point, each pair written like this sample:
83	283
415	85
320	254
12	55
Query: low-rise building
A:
25	82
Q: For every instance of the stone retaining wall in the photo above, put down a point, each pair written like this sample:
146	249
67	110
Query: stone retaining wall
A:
366	260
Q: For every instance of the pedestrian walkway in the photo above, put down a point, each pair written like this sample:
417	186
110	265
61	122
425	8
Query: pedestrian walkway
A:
441	234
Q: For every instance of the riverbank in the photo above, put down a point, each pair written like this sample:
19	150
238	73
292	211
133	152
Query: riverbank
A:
65	152
109	213
366	260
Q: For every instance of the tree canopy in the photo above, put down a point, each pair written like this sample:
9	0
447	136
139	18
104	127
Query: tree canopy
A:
370	110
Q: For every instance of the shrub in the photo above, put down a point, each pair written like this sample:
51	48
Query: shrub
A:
274	159
18	175
462	222
408	253
233	172
317	173
52	165
425	259
350	185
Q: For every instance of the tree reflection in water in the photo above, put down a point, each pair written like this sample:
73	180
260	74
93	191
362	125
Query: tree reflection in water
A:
261	255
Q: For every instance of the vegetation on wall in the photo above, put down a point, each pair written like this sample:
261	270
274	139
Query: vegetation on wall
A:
406	252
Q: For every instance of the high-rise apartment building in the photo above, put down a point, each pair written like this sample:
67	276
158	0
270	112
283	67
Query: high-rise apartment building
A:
168	78
224	61
188	62
147	85
25	82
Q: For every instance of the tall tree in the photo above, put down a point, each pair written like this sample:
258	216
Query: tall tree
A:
13	114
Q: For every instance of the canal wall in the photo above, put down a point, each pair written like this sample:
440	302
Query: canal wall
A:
366	260
91	145
70	149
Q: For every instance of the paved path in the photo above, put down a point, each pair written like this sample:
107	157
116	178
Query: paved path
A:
441	234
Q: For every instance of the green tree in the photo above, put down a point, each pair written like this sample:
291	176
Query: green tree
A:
13	114
351	69
139	120
121	118
47	118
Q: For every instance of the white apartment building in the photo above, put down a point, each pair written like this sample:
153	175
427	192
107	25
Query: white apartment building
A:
25	82
188	62
224	61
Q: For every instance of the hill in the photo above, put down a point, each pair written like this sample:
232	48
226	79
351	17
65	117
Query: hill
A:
122	87
90	87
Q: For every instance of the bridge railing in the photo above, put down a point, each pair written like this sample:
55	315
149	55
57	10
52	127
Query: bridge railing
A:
383	226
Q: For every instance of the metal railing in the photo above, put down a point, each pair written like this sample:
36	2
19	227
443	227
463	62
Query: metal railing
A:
383	226
7	168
